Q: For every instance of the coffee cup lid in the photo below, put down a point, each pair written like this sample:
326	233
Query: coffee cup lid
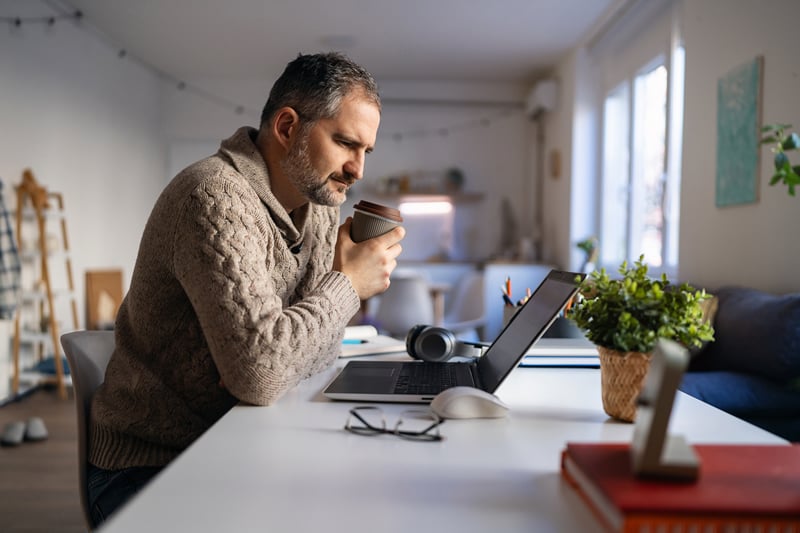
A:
380	210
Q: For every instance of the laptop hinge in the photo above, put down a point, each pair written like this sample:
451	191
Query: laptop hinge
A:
476	379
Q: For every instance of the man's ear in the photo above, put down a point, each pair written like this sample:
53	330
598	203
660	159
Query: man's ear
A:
285	125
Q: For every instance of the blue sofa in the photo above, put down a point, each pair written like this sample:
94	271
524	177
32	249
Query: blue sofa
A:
752	368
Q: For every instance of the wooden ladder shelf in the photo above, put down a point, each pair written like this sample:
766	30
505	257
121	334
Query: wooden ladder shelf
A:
31	197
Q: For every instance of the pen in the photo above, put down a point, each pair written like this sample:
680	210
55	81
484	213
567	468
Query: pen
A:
507	300
354	341
508	286
525	298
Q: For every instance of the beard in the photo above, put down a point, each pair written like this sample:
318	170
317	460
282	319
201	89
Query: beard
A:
298	168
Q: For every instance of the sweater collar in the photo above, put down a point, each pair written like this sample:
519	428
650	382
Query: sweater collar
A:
243	154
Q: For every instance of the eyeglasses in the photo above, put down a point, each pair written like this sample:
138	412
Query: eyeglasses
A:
413	424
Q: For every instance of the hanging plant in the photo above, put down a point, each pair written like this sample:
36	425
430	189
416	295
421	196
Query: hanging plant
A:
782	141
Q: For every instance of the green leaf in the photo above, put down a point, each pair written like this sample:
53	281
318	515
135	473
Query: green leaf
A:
781	160
791	142
768	140
775	127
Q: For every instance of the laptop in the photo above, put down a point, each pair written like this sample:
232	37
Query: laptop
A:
419	381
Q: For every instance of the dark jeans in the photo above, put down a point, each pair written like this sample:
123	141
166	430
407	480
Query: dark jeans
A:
110	489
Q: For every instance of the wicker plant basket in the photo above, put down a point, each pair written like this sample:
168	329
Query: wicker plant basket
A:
621	380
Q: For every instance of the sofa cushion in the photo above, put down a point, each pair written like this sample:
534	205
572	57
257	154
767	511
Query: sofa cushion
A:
754	333
760	401
743	395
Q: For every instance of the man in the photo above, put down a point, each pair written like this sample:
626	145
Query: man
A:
243	282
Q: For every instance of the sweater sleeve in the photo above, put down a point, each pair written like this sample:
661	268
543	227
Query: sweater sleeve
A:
238	275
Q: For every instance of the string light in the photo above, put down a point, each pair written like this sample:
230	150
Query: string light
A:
483	122
77	16
49	20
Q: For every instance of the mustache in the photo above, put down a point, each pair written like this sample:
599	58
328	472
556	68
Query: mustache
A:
347	179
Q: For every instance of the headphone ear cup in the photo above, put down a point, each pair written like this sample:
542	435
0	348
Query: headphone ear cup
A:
411	339
434	344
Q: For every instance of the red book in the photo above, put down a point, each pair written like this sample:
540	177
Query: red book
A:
740	488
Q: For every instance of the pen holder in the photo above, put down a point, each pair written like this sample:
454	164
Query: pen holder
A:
508	312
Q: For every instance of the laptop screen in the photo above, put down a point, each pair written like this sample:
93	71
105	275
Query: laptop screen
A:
526	327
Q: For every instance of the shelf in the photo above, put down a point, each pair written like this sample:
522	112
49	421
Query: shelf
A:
27	337
33	296
29	213
37	210
28	256
456	198
31	378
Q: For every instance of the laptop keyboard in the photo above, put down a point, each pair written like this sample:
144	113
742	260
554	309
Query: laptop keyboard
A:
426	378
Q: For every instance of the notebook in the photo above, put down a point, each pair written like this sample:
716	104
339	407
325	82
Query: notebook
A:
365	340
419	381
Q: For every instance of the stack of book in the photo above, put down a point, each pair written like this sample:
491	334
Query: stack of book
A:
742	488
365	340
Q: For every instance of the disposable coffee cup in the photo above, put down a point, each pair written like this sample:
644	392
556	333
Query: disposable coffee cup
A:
371	220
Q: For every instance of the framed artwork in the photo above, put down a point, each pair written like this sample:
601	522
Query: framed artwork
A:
103	297
738	131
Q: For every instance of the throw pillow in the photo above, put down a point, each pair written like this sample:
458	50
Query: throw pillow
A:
754	332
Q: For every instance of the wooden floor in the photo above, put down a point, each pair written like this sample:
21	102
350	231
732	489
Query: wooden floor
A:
39	480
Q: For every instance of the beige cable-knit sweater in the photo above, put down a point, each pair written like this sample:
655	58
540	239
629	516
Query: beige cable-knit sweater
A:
219	309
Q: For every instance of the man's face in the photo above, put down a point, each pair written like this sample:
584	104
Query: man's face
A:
324	162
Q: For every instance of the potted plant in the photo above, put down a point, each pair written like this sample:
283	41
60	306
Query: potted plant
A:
624	317
783	141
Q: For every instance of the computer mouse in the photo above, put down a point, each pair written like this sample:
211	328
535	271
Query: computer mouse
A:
468	402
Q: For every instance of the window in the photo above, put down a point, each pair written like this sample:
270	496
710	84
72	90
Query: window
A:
640	156
637	196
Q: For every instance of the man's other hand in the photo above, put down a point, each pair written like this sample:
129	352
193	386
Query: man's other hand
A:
369	263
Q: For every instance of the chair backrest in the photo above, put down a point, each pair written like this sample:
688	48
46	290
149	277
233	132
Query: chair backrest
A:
406	303
466	309
87	353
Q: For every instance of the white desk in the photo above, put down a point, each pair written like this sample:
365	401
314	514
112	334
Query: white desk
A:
292	468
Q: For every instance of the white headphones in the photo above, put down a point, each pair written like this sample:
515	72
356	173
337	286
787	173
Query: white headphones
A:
437	345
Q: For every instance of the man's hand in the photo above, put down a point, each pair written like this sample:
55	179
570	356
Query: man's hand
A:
369	263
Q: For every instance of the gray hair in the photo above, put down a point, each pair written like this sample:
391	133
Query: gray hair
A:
315	85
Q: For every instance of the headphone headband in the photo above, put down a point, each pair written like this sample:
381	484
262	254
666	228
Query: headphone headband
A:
437	345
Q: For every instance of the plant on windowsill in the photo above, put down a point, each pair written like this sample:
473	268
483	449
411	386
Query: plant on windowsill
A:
590	247
783	141
625	317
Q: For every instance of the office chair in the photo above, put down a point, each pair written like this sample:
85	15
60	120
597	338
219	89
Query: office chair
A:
466	313
87	353
406	303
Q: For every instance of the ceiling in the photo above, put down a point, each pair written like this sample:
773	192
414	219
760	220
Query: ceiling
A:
430	40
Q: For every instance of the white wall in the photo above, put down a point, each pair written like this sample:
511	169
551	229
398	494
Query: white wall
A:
753	245
571	186
88	125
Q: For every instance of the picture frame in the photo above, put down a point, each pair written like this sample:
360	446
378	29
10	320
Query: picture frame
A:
739	103
103	298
